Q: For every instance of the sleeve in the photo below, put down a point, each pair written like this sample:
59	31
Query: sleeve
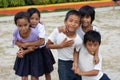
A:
53	35
14	37
41	31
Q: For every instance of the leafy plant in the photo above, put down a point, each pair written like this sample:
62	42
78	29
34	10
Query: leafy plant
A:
29	2
14	3
4	3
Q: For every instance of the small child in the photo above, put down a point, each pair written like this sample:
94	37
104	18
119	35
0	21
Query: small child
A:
87	69
29	60
35	24
60	41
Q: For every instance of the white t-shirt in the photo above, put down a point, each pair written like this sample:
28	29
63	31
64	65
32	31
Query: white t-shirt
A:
41	31
81	33
86	64
67	52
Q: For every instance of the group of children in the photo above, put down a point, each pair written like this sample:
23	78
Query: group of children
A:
77	44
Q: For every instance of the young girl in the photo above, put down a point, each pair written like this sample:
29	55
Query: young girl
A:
87	69
34	16
60	41
29	60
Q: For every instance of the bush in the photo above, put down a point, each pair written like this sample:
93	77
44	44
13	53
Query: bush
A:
41	2
29	2
14	3
4	3
53	1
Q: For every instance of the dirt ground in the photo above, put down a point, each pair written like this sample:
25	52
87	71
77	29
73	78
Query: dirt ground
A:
108	22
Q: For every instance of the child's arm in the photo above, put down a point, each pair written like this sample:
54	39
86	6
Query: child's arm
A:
63	44
39	42
96	58
86	73
75	61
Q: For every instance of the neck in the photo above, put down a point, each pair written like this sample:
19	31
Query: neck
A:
70	34
87	28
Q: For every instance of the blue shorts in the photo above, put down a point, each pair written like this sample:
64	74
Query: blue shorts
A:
104	77
65	72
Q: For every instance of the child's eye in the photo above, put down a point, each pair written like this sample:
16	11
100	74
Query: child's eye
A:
19	25
25	25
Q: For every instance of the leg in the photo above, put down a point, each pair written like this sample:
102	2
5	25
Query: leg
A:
34	78
25	78
114	4
48	76
62	70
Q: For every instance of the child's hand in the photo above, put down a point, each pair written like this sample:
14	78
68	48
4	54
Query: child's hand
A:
78	71
20	53
67	43
74	66
96	59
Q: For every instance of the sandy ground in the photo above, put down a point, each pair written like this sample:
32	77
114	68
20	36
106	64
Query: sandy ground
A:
108	22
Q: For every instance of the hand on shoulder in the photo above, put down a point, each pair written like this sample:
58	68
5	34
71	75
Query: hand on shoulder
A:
62	29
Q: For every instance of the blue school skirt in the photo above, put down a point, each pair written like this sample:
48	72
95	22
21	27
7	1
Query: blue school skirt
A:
48	59
30	64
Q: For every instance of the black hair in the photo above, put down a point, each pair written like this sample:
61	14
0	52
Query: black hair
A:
87	11
72	12
31	11
92	36
21	15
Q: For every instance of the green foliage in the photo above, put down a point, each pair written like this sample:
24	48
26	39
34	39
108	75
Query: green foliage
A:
61	1
4	3
53	1
41	2
29	2
14	3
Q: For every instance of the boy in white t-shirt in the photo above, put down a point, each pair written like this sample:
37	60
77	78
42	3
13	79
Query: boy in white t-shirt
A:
67	44
87	69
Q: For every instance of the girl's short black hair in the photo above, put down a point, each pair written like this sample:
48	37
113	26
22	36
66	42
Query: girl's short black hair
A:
93	36
31	11
87	11
72	12
21	15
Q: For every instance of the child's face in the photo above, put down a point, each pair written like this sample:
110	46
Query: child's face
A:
23	25
34	20
86	21
72	23
92	46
